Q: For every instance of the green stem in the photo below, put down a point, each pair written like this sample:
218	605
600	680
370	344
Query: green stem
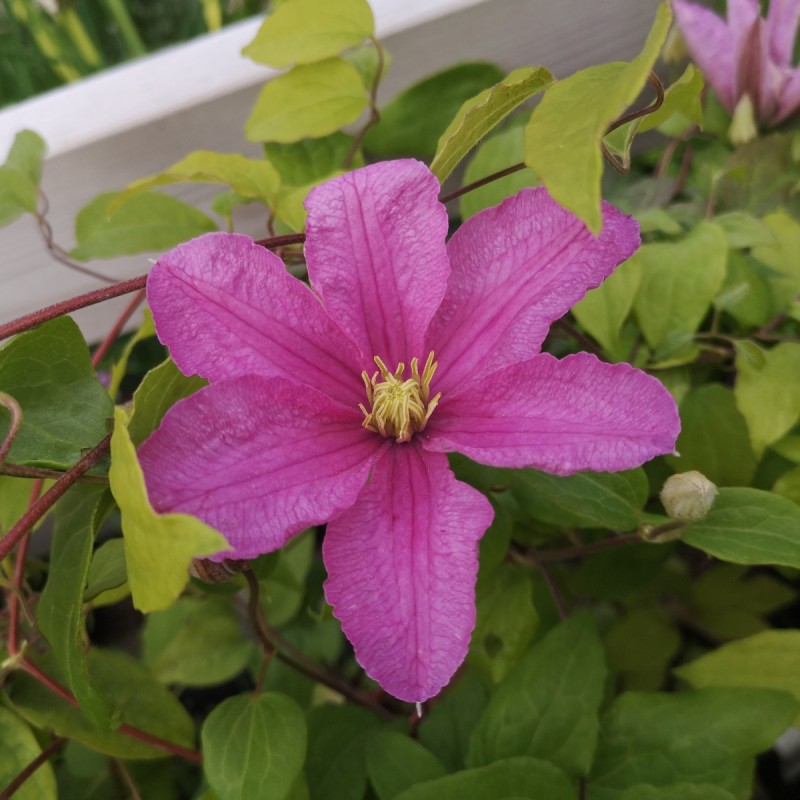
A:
127	30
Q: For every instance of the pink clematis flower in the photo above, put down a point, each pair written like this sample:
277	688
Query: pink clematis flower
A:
747	55
339	403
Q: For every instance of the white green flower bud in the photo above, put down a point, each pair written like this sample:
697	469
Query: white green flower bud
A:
688	496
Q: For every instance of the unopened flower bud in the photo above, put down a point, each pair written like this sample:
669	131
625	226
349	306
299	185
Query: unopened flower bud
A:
215	571
688	496
743	124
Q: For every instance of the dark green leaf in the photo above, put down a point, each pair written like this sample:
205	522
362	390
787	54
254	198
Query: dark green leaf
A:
677	791
396	763
19	749
65	408
107	570
548	706
307	161
413	121
60	608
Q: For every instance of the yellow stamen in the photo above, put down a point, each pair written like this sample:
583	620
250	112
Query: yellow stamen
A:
400	407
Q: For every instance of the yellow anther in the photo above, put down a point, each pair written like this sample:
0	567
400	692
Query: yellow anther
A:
400	407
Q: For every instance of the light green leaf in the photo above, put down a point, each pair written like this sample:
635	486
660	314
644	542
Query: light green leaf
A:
509	779
337	740
248	177
746	293
411	124
19	749
309	100
603	310
447	728
139	699
107	570
303	31
147	222
585	500
145	331
158	547
714	438
396	763
743	230
677	791
17	195
788	485
27	154
65	408
196	642
563	148
15	494
547	708
159	390
781	257
679	281
768	660
60	608
708	736
503	149
768	395
254	746
506	621
749	526
479	115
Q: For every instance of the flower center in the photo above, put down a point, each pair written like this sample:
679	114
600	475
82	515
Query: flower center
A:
400	407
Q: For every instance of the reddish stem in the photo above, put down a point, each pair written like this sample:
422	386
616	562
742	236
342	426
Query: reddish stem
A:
19	571
51	496
495	176
13	408
111	337
274	242
135	733
37	762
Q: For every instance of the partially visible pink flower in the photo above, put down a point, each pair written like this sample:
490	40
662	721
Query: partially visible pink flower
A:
747	54
328	404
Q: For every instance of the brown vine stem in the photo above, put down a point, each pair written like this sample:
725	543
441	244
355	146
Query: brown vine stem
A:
495	176
272	641
31	768
580	551
374	114
135	733
51	496
14	410
20	471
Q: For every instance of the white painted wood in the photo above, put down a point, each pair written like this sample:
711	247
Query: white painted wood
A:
140	117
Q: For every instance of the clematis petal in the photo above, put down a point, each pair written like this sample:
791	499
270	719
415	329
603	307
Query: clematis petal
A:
712	45
226	307
741	15
560	416
782	22
259	459
402	563
375	247
515	269
790	97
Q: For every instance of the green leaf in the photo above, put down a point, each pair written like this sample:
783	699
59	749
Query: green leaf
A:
610	500
781	258
248	177
714	438
159	390
107	570
140	700
746	293
158	547
19	749
506	621
743	230
447	729
677	791
707	736
337	741
563	147
254	746
412	123
15	494
768	660
49	372
548	707
749	526
17	195
768	395
603	310
309	100
27	155
679	281
788	485
482	113
509	779
303	31
499	151
60	608
283	591
396	763
196	642
145	331
309	160
149	221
